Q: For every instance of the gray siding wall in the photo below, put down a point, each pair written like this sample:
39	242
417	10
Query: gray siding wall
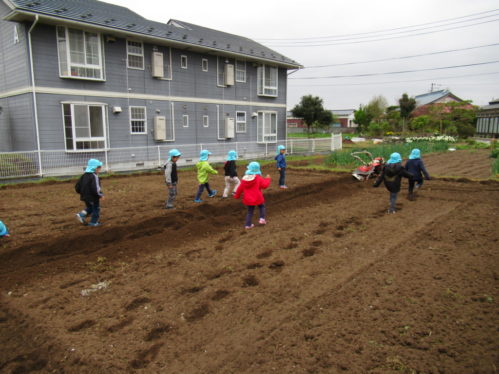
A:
189	83
17	129
16	117
52	129
14	59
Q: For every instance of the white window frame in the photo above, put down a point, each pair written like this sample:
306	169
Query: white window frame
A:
240	125
264	133
168	66
66	66
130	53
264	83
142	120
73	129
185	120
183	61
221	72
16	34
204	64
240	71
206	121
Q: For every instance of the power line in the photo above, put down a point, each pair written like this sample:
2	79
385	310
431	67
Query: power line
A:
376	40
380	31
396	72
402	57
390	82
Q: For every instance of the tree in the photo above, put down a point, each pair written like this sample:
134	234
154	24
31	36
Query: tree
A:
407	105
362	118
377	108
374	111
312	111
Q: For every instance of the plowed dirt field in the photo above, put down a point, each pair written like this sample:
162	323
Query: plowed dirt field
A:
332	284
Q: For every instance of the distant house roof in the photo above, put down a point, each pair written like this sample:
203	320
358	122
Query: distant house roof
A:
436	96
494	104
342	112
121	20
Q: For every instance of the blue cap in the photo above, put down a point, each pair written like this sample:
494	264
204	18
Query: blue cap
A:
279	148
3	229
92	165
174	153
416	153
203	156
232	156
394	158
253	168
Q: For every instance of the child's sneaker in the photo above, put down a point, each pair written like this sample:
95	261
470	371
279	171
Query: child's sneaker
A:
198	200
80	218
249	227
213	193
262	221
95	224
283	187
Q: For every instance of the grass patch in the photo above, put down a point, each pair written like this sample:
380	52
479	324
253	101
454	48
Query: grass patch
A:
343	158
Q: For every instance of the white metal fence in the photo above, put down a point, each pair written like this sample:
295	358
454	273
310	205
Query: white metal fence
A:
60	162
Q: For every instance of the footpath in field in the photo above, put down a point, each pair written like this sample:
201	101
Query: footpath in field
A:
331	284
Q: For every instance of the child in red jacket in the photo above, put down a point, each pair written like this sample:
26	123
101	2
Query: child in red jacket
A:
251	187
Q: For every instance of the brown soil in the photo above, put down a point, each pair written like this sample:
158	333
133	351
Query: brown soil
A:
332	284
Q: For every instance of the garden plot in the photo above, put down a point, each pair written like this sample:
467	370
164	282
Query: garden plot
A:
331	284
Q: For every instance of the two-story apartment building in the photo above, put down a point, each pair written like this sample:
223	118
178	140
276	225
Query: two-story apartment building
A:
88	76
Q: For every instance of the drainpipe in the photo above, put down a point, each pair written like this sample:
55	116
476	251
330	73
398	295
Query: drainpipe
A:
33	90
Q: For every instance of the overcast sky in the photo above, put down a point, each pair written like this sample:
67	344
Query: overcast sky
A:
334	32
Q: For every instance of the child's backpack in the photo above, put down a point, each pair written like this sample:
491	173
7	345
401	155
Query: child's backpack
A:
78	185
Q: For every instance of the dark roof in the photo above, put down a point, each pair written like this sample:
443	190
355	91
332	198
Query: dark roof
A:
431	97
103	15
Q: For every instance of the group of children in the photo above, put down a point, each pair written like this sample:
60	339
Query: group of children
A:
251	185
393	172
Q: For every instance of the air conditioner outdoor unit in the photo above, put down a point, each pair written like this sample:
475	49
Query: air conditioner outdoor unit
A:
160	128
229	74
157	65
230	128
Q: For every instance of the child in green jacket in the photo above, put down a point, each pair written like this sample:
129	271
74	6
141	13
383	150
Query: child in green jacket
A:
204	170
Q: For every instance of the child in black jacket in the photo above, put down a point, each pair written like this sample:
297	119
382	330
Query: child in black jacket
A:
416	167
230	173
392	175
89	188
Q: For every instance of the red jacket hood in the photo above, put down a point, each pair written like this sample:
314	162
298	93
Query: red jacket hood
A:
251	187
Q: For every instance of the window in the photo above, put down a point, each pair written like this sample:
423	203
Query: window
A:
185	120
240	71
240	121
183	62
138	120
267	127
167	61
204	64
16	34
220	72
80	54
84	126
206	121
135	55
267	81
